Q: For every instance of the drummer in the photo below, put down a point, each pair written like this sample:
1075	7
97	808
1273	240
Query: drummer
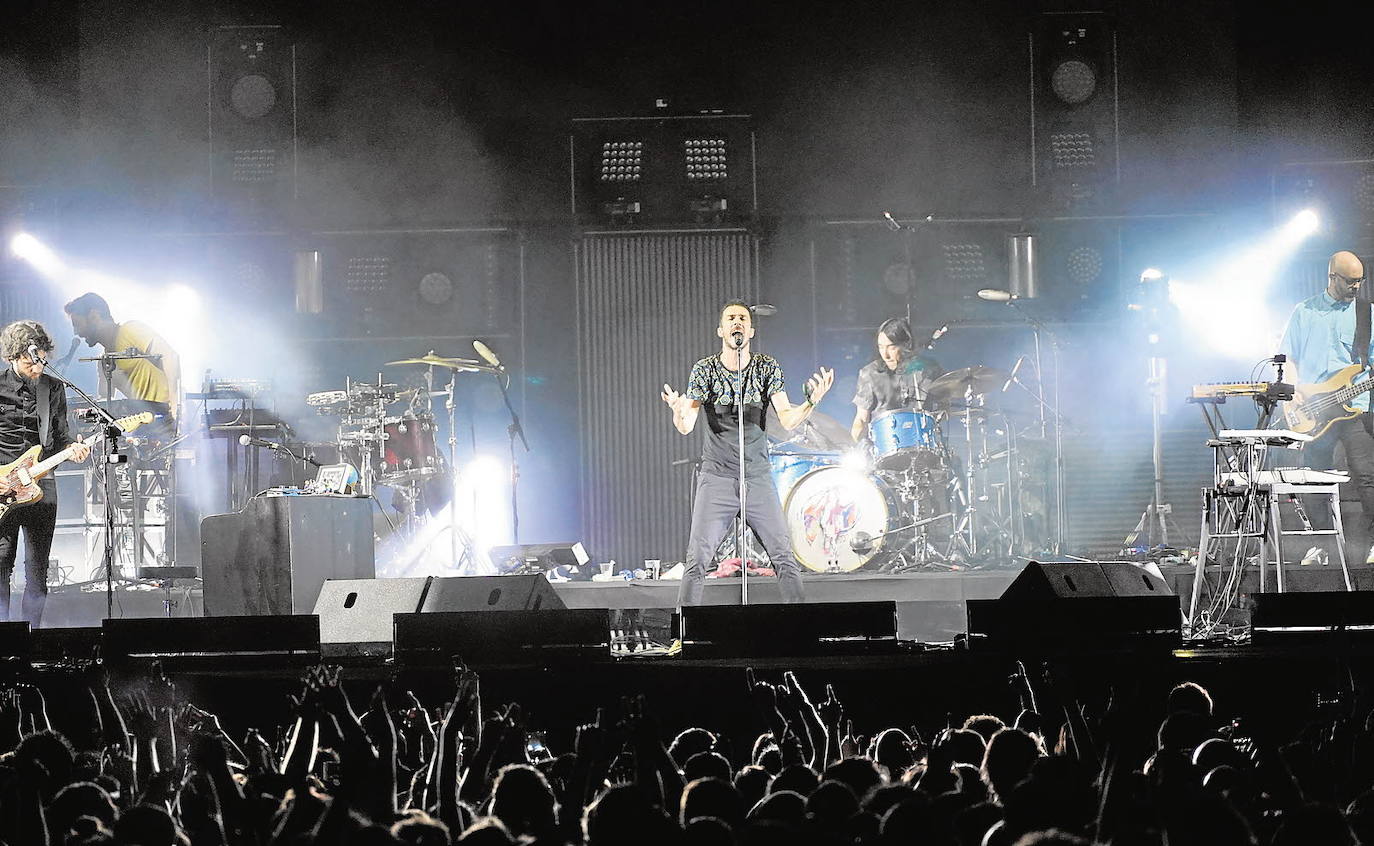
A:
898	379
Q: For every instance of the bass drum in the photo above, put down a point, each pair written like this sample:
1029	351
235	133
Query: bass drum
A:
828	509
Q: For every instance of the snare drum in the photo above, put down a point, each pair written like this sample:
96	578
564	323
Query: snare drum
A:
903	437
790	467
827	510
409	450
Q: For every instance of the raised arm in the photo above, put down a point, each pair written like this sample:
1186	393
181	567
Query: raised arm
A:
791	416
685	410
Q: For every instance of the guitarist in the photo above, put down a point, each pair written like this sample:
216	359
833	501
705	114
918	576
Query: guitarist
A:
1326	333
33	410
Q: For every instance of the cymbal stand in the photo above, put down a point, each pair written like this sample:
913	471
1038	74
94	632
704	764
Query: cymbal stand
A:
458	536
965	531
1049	410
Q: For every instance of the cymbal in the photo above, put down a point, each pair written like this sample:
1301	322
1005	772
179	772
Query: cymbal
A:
819	431
431	360
955	383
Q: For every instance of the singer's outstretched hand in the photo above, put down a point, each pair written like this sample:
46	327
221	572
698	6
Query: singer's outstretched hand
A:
674	400
819	384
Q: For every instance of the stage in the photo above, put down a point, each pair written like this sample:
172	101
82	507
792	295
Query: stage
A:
930	605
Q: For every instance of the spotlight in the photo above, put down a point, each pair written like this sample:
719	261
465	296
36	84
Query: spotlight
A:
35	252
1151	273
1304	223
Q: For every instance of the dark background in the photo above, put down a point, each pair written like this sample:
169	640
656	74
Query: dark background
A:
412	116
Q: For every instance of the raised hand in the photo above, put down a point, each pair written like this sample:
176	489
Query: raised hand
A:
677	402
819	384
829	709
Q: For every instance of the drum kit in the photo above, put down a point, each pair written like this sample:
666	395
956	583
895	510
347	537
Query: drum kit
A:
390	434
946	484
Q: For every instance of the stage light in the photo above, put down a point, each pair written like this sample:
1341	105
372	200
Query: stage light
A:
855	460
1304	223
36	253
1150	274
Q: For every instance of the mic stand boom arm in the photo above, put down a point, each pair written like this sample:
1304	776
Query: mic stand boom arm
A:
514	430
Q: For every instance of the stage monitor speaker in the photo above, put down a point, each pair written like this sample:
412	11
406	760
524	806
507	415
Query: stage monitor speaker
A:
195	639
483	638
1074	579
356	614
792	630
273	556
1079	606
491	593
1321	617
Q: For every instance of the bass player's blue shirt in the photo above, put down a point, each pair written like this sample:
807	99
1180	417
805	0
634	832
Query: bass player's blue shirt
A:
1320	339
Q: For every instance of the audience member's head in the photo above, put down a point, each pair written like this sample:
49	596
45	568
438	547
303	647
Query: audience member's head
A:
798	777
522	799
689	742
711	797
1191	697
985	724
706	765
1010	755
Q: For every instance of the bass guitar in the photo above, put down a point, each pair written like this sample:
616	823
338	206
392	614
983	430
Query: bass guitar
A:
19	478
1315	407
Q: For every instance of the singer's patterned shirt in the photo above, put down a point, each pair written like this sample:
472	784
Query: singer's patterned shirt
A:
718	390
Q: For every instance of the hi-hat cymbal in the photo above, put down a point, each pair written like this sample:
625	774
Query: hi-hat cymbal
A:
429	359
955	383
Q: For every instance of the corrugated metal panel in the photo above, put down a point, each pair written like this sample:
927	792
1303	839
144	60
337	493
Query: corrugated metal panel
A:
647	306
1109	482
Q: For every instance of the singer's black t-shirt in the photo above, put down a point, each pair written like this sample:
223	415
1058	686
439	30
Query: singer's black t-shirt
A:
718	390
881	389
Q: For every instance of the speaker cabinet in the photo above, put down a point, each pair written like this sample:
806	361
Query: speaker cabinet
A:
801	629
359	611
510	637
274	555
491	593
1078	606
1070	579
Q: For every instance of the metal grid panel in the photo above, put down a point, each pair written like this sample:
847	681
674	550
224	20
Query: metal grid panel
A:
646	310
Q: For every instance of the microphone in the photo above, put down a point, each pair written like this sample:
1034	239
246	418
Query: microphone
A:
993	295
892	222
33	355
737	339
936	335
1015	368
249	440
764	309
487	355
71	351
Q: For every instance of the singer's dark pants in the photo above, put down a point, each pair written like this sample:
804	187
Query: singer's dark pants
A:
716	504
1356	435
38	522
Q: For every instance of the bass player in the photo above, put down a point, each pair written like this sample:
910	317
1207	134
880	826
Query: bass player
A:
33	410
1327	333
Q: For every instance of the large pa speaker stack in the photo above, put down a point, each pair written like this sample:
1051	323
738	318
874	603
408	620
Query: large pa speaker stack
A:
1078	606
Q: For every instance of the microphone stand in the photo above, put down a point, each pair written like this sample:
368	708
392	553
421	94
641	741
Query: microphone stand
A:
1037	329
742	528
111	457
513	431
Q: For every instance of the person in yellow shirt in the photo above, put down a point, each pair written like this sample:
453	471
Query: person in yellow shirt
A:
150	380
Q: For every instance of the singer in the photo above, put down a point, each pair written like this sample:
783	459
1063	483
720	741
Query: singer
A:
152	381
33	410
899	378
717	383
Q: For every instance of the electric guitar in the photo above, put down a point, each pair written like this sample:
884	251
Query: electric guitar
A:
1316	406
19	478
